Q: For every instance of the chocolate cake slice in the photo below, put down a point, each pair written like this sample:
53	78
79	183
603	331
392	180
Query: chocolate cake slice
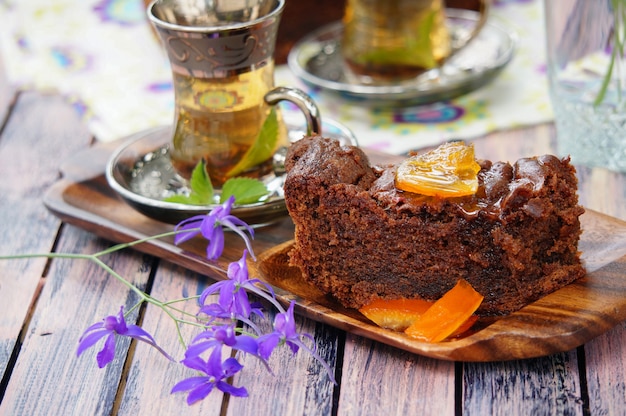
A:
359	238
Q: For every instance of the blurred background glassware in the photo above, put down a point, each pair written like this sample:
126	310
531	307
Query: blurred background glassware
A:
587	79
221	56
391	40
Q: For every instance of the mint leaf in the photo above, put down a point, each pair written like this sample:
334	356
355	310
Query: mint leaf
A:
200	183
245	190
201	188
263	147
178	199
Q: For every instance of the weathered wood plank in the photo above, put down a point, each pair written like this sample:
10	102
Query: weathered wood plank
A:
48	378
602	190
605	356
41	132
606	367
381	380
151	376
294	388
543	386
299	384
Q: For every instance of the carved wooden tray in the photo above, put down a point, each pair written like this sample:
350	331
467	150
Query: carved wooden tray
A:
558	322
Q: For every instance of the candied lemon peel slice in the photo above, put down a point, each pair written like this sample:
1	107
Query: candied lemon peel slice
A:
447	171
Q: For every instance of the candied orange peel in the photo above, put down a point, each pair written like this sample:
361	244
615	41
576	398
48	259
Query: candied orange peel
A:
447	314
396	314
450	316
447	171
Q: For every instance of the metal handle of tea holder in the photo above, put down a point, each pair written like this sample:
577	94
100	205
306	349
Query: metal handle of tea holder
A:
483	11
309	110
303	102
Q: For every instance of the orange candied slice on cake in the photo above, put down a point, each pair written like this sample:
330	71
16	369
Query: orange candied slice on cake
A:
447	314
396	314
447	171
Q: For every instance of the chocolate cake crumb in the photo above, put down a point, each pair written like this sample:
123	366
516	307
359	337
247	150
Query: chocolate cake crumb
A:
359	238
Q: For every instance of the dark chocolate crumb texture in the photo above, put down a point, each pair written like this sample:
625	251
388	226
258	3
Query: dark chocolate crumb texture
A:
359	238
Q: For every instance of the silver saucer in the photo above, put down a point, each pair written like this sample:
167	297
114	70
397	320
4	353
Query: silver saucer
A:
140	171
317	60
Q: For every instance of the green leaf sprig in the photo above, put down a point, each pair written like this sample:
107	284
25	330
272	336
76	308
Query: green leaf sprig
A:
245	190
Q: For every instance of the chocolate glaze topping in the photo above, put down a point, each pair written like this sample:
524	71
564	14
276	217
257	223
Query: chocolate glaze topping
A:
502	187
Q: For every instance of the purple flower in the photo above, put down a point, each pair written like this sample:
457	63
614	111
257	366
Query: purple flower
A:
109	327
218	336
233	292
285	333
215	311
216	372
210	226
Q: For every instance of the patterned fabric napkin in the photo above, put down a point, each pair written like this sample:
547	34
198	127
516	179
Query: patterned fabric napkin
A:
103	58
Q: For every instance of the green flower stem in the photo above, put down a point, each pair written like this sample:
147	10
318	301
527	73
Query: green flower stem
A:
169	304
135	306
137	242
143	295
167	307
619	38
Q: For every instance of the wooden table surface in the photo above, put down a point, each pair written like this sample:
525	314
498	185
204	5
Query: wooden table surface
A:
46	305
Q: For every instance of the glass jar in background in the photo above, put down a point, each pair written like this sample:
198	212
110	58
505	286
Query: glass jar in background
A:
587	78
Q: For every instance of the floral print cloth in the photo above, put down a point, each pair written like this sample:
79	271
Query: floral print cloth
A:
102	56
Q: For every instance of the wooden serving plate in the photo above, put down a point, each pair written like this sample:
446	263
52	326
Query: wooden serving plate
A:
558	322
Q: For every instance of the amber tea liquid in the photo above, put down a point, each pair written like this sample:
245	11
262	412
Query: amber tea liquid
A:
394	39
218	120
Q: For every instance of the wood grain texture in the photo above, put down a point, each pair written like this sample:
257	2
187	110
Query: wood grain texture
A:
142	395
299	385
603	190
47	374
37	122
540	386
411	384
605	359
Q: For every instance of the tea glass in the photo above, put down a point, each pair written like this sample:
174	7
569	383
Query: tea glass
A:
395	40
221	56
